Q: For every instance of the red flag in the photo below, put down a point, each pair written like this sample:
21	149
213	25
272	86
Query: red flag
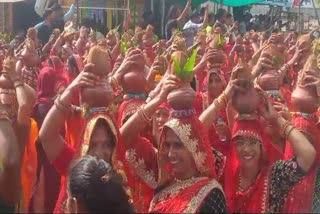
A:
295	2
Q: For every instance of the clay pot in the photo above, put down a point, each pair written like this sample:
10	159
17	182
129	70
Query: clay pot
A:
246	102
134	81
98	96
305	99
160	65
219	59
5	83
182	98
269	80
217	42
147	41
31	59
149	31
100	58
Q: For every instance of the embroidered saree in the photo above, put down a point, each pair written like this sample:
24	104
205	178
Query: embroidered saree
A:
150	165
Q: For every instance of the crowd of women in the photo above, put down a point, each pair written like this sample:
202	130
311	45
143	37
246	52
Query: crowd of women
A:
126	123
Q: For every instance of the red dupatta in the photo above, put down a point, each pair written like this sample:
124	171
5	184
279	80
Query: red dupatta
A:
255	199
185	196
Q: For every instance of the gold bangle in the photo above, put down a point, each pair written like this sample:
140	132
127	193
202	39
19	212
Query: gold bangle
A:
217	103
223	99
283	127
149	119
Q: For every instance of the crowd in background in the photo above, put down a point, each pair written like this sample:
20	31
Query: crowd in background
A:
215	118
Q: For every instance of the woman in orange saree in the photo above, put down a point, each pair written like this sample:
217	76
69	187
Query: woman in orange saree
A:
74	122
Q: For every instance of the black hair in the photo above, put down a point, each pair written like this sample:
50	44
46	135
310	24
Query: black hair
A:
94	184
229	15
102	123
56	7
194	14
72	63
202	11
220	13
47	13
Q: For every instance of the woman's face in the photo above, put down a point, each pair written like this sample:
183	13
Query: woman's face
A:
160	118
101	144
64	55
215	86
72	71
179	158
248	151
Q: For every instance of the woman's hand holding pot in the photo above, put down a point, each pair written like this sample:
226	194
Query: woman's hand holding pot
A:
170	83
134	57
84	79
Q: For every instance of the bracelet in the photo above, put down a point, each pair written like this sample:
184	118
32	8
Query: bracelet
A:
143	115
62	107
223	99
149	119
289	132
18	83
4	115
284	127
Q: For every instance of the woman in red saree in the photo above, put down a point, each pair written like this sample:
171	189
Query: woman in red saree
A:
214	85
182	170
143	193
101	137
254	185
